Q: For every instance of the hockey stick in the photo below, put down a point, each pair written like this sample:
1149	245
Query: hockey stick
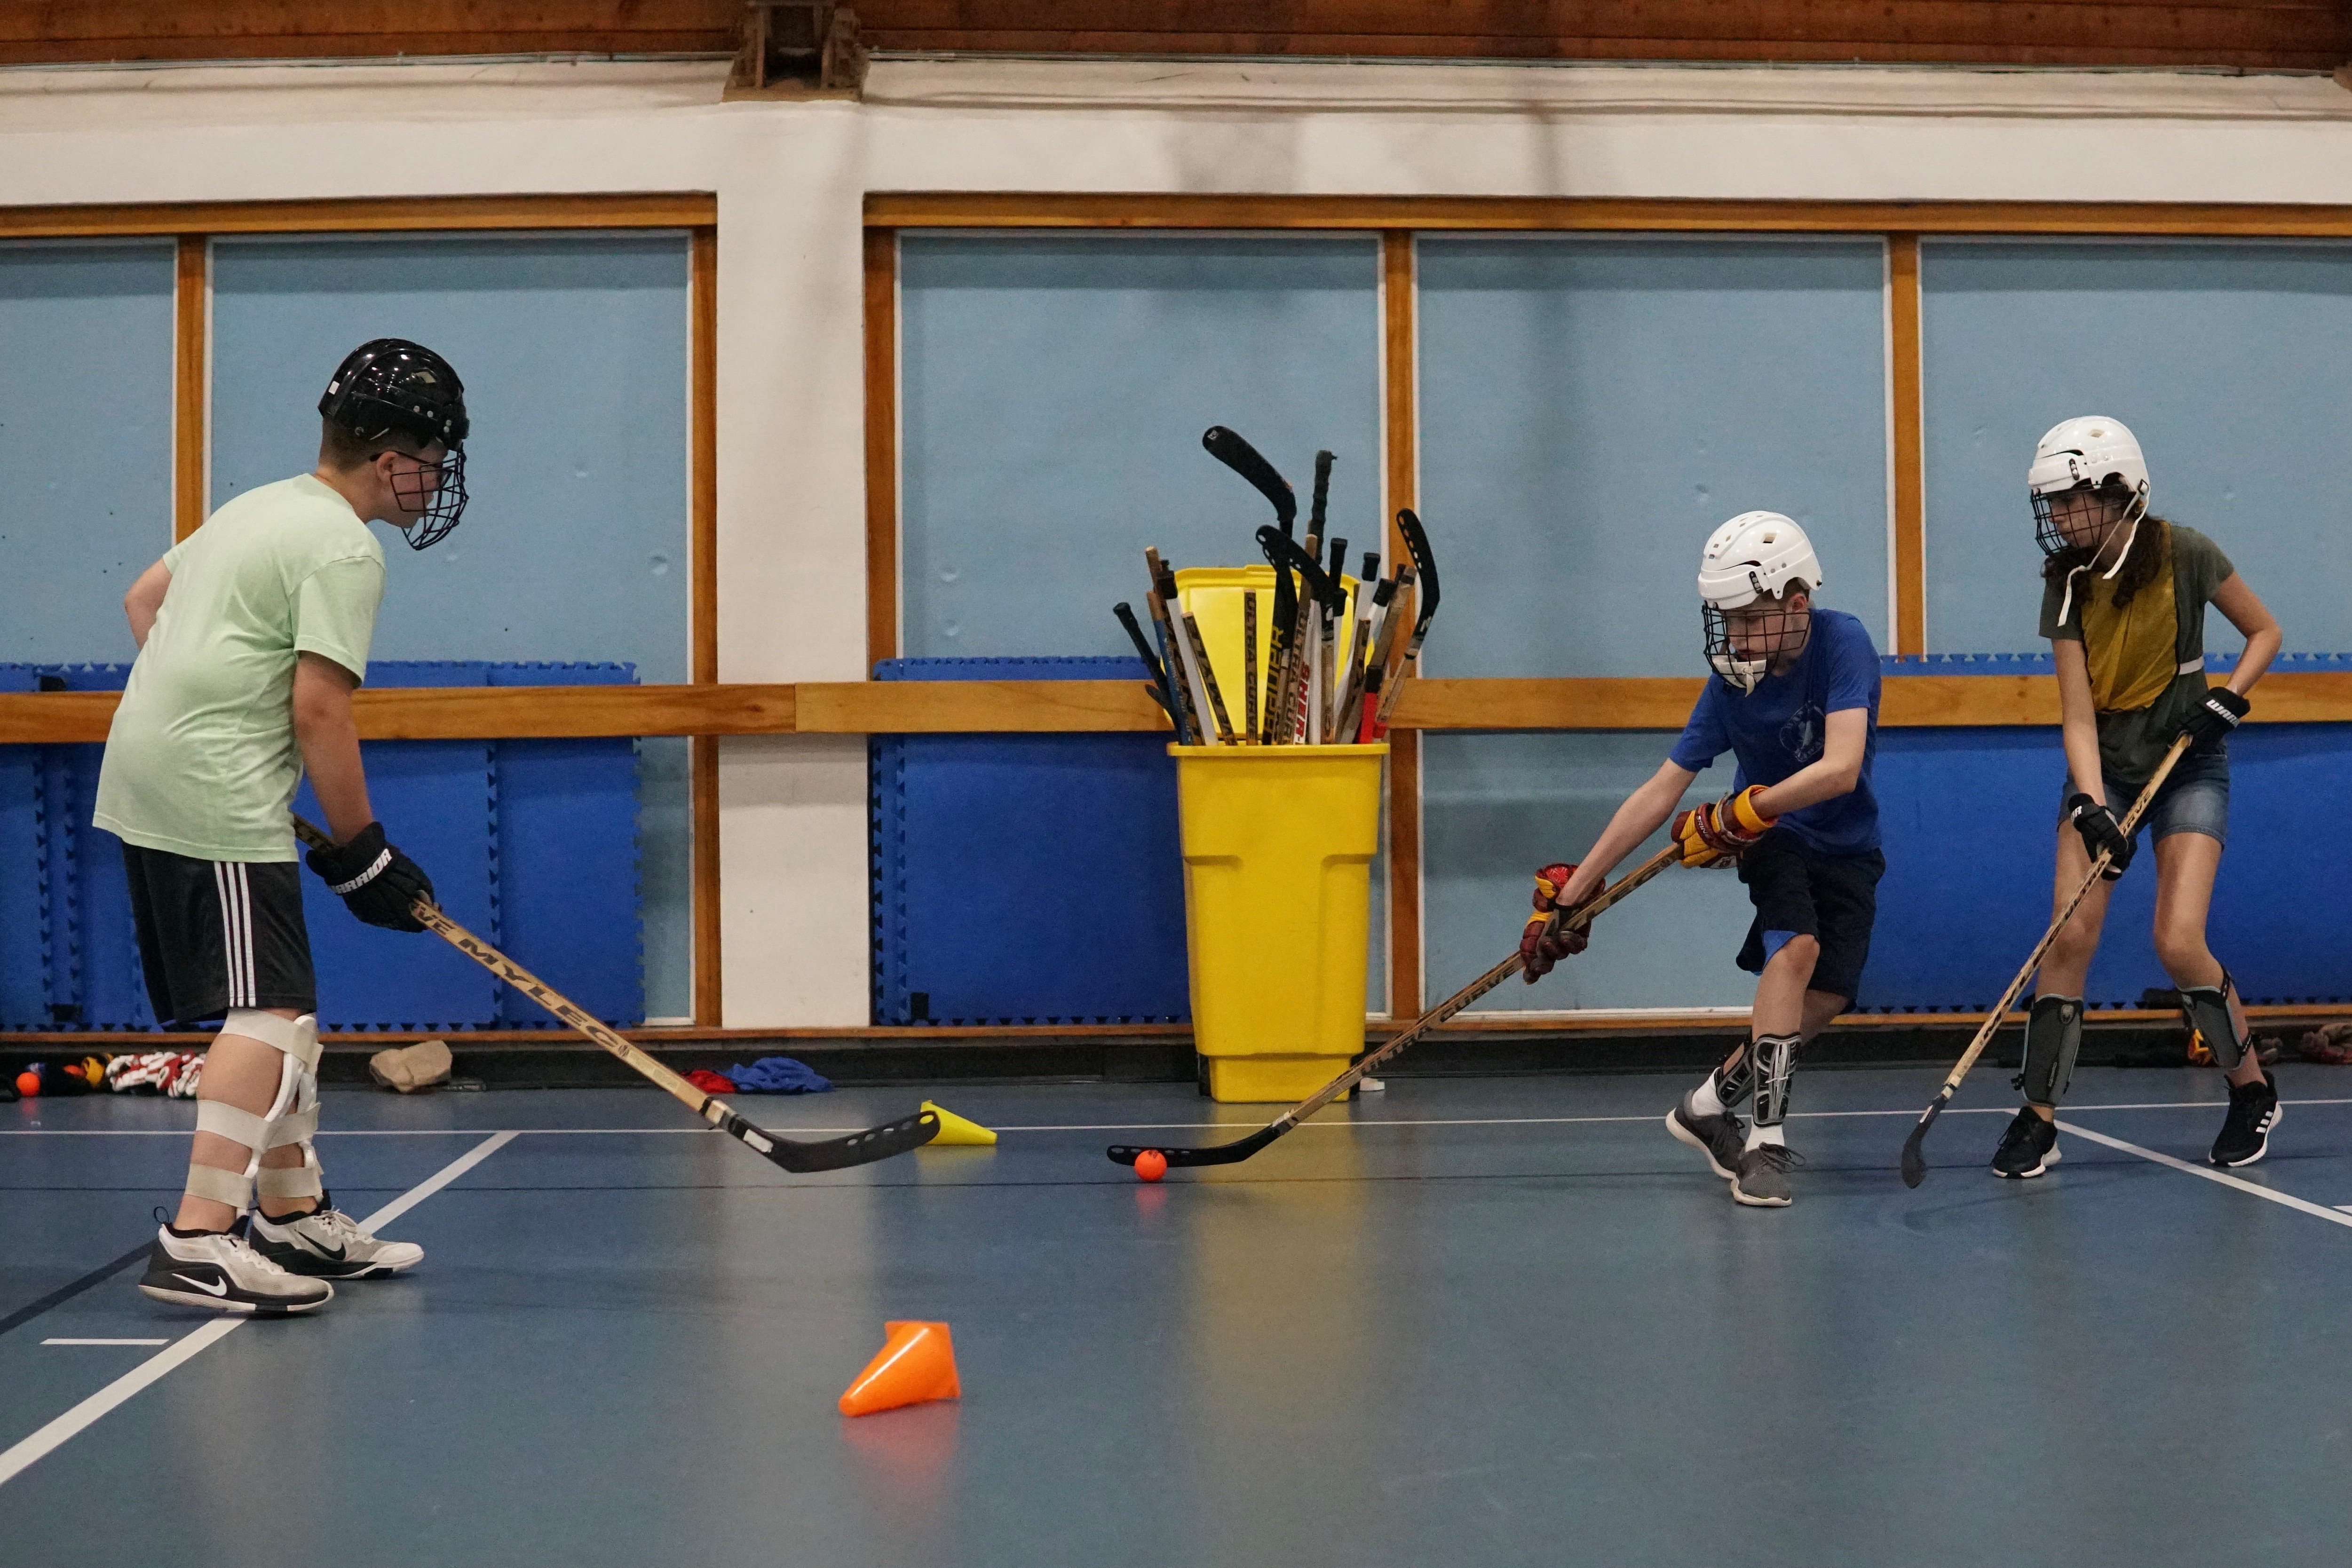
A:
1327	667
1200	651
1914	1161
1249	665
1242	458
1159	682
832	1154
1242	1148
1314	589
1416	544
1171	642
1277	654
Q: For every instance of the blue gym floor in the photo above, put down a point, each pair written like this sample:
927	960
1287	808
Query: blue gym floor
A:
1499	1321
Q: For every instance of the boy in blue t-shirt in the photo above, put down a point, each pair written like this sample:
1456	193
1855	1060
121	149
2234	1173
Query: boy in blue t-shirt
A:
1795	698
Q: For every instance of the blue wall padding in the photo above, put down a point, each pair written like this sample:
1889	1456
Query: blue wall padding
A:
1971	817
567	860
434	800
93	971
1027	878
531	845
23	908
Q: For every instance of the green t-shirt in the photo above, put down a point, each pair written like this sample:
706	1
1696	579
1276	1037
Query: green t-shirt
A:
2133	740
202	761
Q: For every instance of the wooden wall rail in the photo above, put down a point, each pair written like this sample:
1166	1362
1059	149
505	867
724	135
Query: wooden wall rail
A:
2254	35
671	209
1026	209
1071	707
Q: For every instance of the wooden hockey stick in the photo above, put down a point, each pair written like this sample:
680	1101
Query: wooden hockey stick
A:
1242	1148
831	1154
1914	1161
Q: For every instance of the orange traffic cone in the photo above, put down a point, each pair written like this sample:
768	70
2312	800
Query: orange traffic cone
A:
916	1363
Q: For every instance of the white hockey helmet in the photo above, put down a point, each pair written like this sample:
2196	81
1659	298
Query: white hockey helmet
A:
2089	449
1757	555
1755	552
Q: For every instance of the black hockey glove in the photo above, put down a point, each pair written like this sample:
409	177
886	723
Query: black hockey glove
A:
2100	832
2223	712
375	882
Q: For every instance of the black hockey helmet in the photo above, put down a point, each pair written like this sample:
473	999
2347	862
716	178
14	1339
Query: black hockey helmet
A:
391	383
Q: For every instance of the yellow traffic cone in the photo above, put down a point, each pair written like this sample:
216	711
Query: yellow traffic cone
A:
956	1130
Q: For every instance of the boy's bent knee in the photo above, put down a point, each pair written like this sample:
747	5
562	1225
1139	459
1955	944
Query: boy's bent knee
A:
1791	951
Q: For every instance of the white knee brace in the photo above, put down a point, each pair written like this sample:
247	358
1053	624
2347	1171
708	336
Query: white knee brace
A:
293	1117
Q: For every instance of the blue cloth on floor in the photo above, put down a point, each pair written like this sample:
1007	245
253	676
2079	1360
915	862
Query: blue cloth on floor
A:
778	1074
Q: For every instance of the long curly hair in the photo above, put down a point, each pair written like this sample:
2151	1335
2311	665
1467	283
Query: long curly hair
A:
2151	552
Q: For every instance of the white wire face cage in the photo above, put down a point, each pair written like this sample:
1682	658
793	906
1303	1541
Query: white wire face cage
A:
435	493
1767	628
2051	535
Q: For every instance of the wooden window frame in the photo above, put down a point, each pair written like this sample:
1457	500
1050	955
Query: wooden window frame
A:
513	711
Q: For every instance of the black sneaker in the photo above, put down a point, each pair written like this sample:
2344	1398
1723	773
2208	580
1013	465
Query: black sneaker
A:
1718	1137
2029	1148
1763	1181
2245	1137
223	1274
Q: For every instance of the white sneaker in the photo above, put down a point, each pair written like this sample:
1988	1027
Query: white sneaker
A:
223	1274
330	1242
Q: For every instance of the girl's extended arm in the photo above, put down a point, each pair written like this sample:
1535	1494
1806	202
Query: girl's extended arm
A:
2078	721
2261	629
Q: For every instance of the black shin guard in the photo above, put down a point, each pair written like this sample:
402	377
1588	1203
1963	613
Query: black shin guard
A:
1732	1086
2053	1037
2207	1008
1774	1057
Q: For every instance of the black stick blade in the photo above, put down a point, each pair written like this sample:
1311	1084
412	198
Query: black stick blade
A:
1231	1154
1416	544
1915	1155
1244	459
865	1148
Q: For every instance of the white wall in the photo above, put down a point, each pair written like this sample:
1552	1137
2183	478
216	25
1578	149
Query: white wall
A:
790	180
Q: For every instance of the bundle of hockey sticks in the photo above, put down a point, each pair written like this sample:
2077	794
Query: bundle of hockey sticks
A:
828	1155
1335	660
1242	1148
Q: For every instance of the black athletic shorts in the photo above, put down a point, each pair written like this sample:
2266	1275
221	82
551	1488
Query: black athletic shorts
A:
1833	898
218	935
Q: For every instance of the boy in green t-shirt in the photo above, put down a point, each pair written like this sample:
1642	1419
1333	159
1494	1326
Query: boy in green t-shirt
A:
253	633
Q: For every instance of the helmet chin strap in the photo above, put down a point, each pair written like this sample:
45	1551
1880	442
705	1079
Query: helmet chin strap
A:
2133	514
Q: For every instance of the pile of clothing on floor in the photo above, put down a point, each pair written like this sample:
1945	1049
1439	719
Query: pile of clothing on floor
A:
2330	1045
769	1075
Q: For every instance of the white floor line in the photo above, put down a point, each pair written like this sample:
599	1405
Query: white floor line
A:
106	1341
16	1460
437	1180
2289	1199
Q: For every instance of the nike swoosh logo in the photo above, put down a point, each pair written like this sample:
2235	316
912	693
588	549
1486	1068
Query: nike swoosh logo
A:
219	1290
333	1254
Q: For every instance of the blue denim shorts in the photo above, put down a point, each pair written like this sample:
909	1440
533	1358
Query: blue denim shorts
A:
2195	798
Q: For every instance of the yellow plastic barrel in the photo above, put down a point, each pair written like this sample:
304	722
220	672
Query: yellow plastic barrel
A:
1279	844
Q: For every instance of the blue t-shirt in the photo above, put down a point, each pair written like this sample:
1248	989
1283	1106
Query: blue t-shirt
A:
1779	728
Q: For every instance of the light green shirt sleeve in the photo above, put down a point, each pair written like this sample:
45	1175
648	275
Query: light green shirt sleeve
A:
334	612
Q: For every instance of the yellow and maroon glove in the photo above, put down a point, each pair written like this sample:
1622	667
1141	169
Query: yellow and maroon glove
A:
1540	949
1716	834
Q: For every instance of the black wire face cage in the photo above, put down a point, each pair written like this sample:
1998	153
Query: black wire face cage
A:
2051	537
436	493
1770	629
